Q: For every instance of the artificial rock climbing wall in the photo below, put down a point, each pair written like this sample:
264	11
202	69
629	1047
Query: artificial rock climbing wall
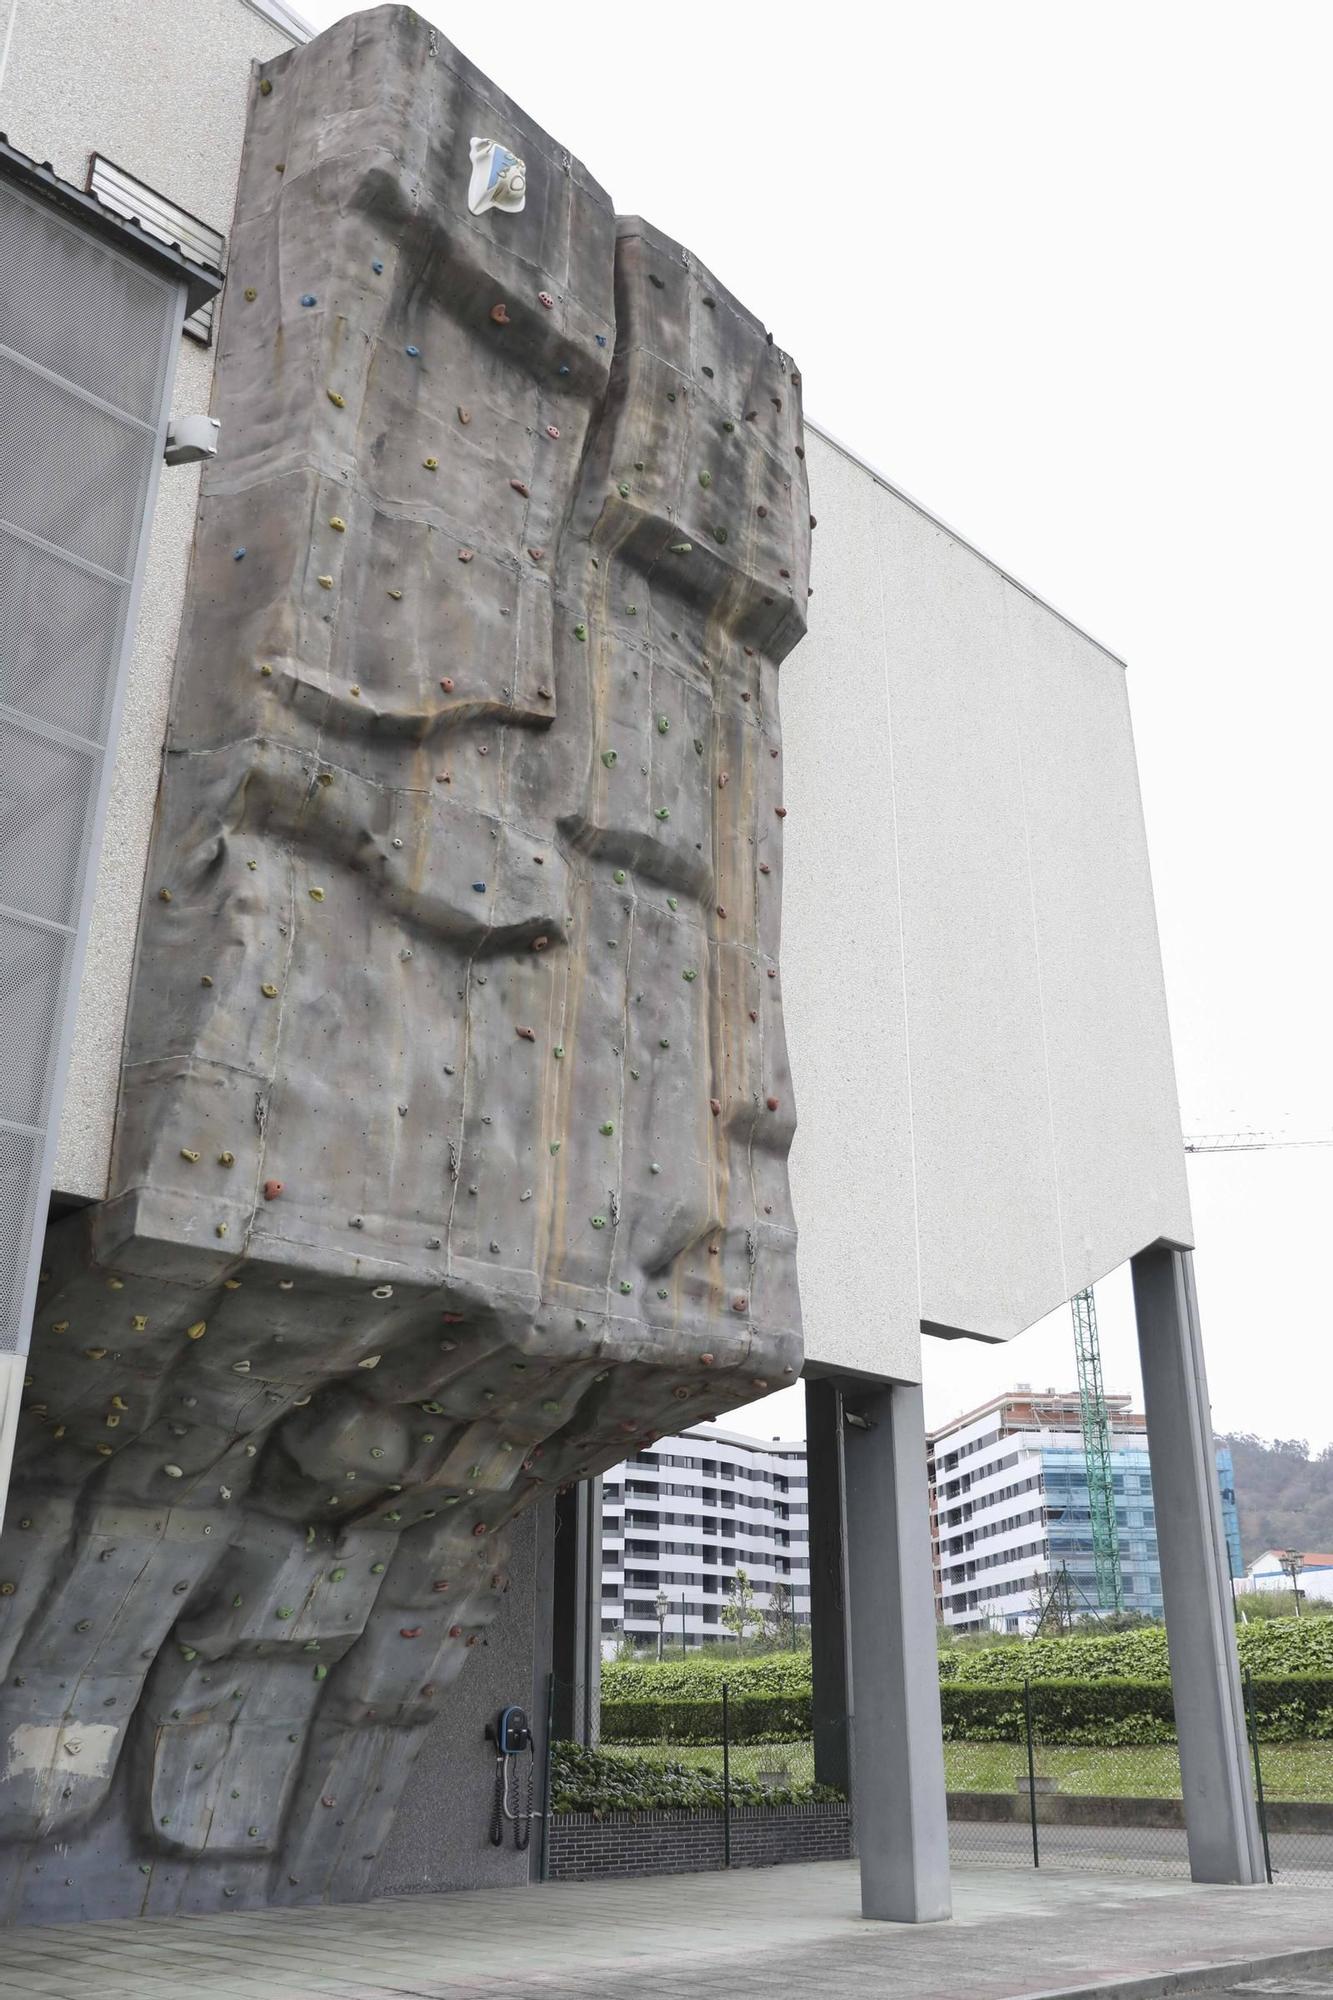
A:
451	1151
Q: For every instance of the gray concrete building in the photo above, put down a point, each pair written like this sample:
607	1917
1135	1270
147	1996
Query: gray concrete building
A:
974	1007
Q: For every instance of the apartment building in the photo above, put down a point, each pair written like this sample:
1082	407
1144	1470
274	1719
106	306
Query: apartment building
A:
682	1516
1010	1510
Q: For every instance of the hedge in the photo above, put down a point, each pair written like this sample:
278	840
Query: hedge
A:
1101	1712
592	1781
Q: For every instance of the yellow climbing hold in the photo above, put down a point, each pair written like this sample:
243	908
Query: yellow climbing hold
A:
317	895
338	402
266	671
197	1331
395	595
187	1153
164	895
326	583
431	464
119	1403
140	1322
337	523
226	1159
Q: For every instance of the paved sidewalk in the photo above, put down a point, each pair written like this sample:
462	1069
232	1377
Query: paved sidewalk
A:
789	1933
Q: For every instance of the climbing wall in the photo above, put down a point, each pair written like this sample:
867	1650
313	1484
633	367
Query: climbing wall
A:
451	1149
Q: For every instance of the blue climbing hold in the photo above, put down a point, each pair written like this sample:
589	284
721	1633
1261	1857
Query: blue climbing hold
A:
600	338
563	369
309	299
377	266
413	351
480	888
237	554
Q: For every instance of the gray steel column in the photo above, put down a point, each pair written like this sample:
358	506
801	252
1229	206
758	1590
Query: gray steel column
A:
1220	1818
830	1665
902	1828
576	1622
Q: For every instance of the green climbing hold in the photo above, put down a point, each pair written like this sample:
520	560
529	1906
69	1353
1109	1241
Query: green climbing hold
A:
661	813
623	490
286	1611
705	479
671	903
625	1285
236	1603
619	875
551	1405
661	1292
580	630
555	1147
663	725
558	1052
189	1653
607	1129
393	1517
321	1673
253	1832
664	1043
631	610
727	424
719	534
689	973
682	548
608	758
377	1569
599	1222
310	1646
337	1575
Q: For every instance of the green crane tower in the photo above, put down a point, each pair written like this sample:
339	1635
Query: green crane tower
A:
1097	1452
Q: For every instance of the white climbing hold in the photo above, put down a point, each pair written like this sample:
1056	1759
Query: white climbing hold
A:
371	1361
499	178
173	1472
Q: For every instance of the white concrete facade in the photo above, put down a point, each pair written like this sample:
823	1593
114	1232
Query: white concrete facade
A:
683	1515
975	1005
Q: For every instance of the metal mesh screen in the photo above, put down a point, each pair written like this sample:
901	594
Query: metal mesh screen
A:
85	353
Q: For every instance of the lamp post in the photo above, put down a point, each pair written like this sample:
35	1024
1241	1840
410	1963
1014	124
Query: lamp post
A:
1293	1563
661	1604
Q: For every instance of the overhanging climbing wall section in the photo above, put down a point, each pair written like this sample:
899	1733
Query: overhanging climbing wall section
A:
451	1155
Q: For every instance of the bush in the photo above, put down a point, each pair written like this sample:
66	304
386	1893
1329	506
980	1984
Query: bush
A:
1105	1713
695	1678
594	1781
751	1719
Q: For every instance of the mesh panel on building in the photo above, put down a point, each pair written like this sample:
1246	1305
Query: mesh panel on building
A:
86	343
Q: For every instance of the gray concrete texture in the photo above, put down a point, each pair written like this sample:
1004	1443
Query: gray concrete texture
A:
995	1124
778	1934
451	1146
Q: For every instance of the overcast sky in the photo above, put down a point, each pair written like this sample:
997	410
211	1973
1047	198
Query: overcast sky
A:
1062	272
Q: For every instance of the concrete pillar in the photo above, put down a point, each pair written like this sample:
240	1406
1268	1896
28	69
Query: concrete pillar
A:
830	1664
576	1613
1220	1818
902	1829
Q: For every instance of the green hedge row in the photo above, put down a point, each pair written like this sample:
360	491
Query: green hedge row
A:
1104	1713
594	1781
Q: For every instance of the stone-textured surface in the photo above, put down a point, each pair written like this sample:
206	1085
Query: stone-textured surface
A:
451	1148
971	855
73	85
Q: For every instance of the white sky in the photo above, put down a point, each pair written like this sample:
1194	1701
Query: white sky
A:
1062	272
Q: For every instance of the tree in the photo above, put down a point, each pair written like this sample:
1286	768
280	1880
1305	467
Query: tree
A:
778	1621
739	1612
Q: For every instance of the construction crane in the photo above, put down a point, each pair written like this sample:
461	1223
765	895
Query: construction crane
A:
1093	1414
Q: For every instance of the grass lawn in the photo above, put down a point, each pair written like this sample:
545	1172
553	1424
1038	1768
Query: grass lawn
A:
1291	1770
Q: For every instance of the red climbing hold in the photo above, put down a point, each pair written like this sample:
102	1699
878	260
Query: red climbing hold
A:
500	313
272	1189
781	811
754	1013
545	299
536	554
553	430
722	780
721	912
440	1583
772	1103
764	868
715	1105
526	1034
738	1303
455	1631
448	686
706	1360
519	487
466	555
330	1803
540	943
480	1528
409	1632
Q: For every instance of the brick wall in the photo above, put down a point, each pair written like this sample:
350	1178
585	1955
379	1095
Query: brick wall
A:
683	1843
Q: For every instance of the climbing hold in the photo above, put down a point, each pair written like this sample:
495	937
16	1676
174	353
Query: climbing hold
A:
187	1153
599	1222
447	684
431	464
251	294
338	402
412	351
664	1043
623	490
269	990
738	1303
371	1361
772	1103
520	487
140	1322
706	1360
272	1189
321	1673
619	875
553	430
466	555
600	338
705	479
536	556
480	1528
722	781
720	535
655	1168
396	595
689	974
377	266
764	868
286	1611
539	943
238	555
545	299
661	813
173	1472
382	1292
580	630
500	313
325	582
338	525
715	1105
197	1331
671	903
663	725
681	548
309	299
266	87
607	1129
721	911
727	424
220	1229
526	1034
609	758
625	1285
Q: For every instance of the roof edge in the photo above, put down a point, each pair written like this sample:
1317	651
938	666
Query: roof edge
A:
279	15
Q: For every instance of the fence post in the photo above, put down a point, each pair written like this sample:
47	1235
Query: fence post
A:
1032	1771
1253	1717
726	1780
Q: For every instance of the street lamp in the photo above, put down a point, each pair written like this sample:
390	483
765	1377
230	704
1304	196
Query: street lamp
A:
661	1604
1293	1563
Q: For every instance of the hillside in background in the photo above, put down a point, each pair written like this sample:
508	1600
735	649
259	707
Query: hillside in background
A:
1284	1496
